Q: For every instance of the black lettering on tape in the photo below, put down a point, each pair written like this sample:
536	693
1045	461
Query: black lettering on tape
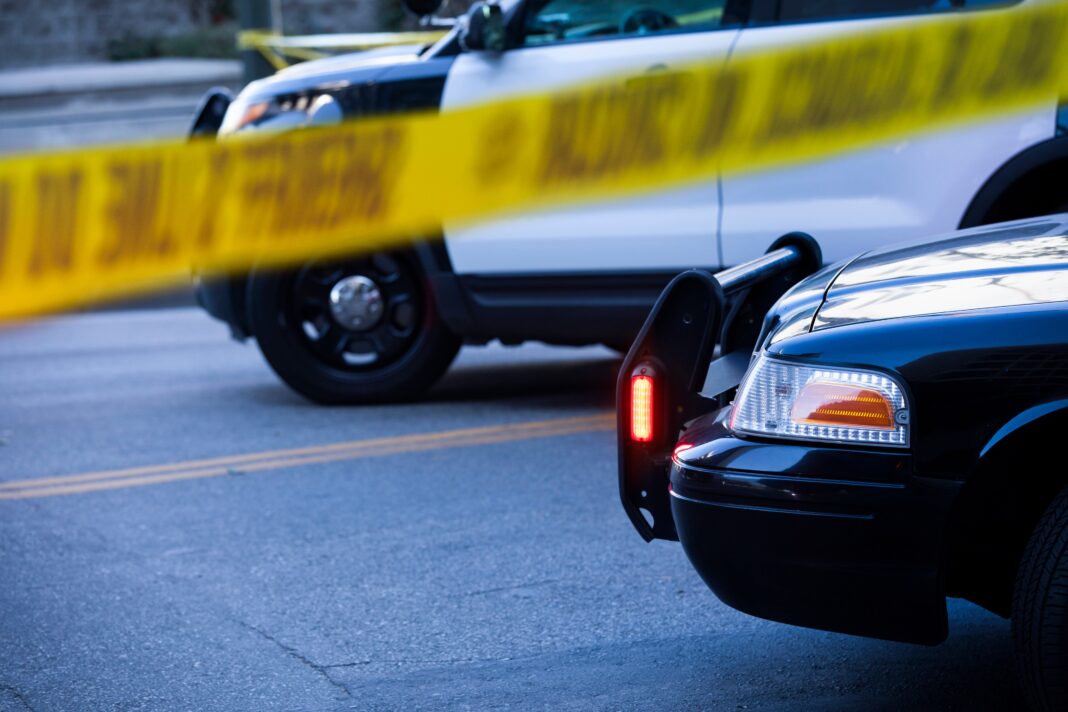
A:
58	199
5	222
210	197
793	84
303	207
497	147
561	138
1023	66
875	87
959	66
325	181
133	213
266	164
642	106
722	98
366	179
295	201
604	132
374	178
853	86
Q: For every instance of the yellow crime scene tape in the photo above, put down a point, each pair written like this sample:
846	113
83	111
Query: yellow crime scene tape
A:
101	223
279	50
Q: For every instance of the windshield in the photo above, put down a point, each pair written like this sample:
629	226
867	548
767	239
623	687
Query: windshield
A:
551	21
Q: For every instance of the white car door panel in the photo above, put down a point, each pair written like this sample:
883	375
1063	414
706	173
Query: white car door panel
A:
896	192
667	230
901	190
664	232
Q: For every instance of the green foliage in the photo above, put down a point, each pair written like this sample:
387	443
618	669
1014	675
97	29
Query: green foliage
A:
392	17
215	42
213	11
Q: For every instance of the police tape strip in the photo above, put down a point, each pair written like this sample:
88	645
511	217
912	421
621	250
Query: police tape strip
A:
277	48
86	225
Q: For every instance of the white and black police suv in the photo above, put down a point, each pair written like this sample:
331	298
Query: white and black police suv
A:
386	326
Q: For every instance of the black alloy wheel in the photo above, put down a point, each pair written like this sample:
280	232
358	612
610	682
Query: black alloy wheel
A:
354	330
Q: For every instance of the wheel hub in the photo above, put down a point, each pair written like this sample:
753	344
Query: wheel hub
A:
356	303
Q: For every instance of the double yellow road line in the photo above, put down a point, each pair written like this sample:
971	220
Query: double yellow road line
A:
295	457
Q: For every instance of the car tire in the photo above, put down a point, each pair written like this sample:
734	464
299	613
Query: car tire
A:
319	328
1040	611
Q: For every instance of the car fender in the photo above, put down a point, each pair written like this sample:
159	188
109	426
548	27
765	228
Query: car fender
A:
1004	496
1022	421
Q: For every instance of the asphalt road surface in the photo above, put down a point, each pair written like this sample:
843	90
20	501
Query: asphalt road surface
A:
180	532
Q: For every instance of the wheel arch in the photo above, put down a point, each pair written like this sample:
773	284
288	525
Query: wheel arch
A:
1000	504
1010	194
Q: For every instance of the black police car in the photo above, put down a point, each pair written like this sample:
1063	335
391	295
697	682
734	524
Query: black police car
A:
888	432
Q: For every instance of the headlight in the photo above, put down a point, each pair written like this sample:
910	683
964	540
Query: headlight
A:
841	405
280	113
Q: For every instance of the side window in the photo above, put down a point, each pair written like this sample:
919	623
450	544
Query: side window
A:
555	21
801	10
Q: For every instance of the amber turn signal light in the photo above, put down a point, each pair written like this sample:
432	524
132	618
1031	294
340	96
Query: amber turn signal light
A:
845	404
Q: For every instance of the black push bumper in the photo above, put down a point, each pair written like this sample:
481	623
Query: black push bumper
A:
697	340
824	537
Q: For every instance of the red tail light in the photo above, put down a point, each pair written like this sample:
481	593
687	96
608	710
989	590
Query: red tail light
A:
641	408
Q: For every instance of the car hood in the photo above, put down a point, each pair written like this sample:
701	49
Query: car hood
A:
1012	264
367	65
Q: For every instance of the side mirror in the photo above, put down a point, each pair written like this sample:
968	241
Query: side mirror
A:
210	113
423	8
483	28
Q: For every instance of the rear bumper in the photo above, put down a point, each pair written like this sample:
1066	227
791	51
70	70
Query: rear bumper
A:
829	538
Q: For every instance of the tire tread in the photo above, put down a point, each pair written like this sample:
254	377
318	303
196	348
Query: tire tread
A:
1040	602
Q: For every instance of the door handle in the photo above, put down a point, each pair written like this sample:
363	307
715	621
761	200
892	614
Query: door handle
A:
658	69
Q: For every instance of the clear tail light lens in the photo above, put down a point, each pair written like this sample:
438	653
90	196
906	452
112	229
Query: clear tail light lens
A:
800	401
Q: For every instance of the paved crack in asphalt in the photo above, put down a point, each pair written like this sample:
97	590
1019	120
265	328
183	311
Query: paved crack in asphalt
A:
299	657
516	587
431	661
17	695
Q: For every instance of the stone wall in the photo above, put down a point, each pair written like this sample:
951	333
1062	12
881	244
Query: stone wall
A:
325	16
41	32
